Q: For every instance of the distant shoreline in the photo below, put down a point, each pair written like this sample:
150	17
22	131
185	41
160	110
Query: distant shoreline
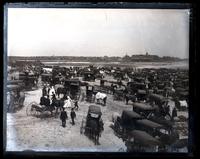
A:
180	64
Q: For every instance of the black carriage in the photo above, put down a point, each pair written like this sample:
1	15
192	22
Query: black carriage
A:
15	98
141	94
58	79
126	123
165	135
37	110
144	109
158	99
133	87
89	93
88	76
141	141
72	87
30	82
92	125
46	78
118	94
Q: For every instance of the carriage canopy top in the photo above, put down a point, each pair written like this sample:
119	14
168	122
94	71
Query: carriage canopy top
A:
126	115
157	97
143	106
148	123
144	139
94	109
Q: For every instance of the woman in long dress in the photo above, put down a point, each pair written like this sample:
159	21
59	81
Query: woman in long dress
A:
68	103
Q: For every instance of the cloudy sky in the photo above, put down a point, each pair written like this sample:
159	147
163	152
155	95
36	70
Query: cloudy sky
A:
97	32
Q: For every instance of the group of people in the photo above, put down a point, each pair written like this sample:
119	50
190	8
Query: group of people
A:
64	116
50	101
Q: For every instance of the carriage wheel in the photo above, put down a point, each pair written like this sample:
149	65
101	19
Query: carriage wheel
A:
30	110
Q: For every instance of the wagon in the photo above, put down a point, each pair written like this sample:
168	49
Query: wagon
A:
165	135
89	93
35	109
118	94
126	123
141	94
88	76
15	97
141	141
158	99
92	125
46	78
134	86
73	88
143	109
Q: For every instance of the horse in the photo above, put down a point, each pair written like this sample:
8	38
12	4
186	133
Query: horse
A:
93	131
101	96
59	89
57	104
130	97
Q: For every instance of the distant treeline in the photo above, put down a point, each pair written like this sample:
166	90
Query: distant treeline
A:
126	58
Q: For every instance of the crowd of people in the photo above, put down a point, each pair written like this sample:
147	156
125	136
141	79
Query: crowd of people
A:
52	101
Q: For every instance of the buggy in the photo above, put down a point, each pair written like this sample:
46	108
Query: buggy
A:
143	109
35	109
118	94
165	135
126	123
73	88
15	98
89	93
158	99
46	78
92	125
141	141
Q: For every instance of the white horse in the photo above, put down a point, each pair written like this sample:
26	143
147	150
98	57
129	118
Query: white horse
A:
101	96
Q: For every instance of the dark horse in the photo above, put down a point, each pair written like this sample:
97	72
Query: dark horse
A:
93	130
58	104
129	97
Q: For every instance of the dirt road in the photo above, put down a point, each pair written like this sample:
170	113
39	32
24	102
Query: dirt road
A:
28	132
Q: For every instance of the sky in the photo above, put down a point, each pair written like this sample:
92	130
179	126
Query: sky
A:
97	32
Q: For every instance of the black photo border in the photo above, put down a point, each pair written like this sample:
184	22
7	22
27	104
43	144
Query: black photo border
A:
192	149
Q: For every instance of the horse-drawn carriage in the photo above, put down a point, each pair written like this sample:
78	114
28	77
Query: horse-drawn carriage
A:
141	141
141	94
92	125
164	134
88	76
144	109
89	93
118	94
35	109
72	86
30	82
15	97
125	123
46	77
158	99
134	86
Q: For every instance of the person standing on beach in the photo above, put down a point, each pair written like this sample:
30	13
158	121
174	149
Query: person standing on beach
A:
63	117
73	115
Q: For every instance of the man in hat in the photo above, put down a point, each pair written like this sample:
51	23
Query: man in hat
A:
63	117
